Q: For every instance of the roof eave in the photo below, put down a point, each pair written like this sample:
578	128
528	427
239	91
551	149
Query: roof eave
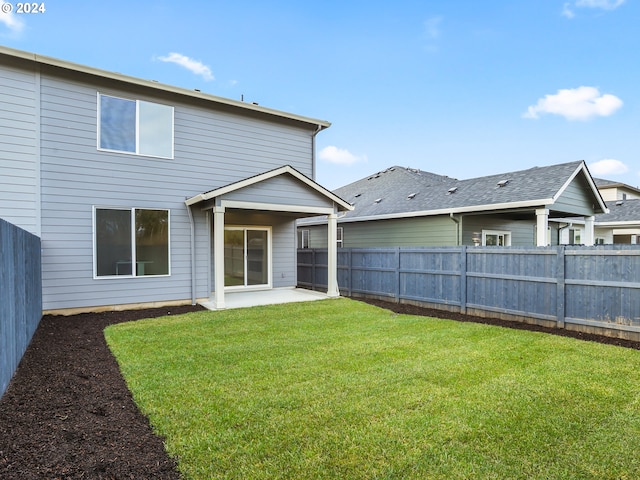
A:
45	60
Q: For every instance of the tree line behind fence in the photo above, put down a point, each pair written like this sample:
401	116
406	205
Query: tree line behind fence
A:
593	289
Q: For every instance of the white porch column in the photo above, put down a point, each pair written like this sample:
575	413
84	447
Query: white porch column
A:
218	255
332	254
589	234
542	225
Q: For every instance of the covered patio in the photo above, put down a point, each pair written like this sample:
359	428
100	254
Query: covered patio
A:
251	237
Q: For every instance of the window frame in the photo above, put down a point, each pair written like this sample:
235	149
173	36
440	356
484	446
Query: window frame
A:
340	237
134	273
137	127
505	234
301	238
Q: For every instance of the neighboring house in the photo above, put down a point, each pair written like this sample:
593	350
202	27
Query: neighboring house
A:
409	207
146	194
613	191
621	224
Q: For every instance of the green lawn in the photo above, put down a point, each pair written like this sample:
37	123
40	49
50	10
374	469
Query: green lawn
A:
341	389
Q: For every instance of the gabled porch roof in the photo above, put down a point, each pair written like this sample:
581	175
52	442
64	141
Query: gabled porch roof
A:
234	201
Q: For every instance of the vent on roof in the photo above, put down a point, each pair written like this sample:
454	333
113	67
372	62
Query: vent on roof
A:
619	202
502	183
377	200
411	196
357	195
452	190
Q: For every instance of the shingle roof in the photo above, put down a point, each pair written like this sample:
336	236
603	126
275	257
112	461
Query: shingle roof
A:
621	211
403	190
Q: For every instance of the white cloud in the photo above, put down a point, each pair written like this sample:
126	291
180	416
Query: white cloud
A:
193	66
432	27
340	156
14	23
608	166
580	103
432	33
604	4
567	12
567	9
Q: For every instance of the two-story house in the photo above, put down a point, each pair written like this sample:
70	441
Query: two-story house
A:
146	194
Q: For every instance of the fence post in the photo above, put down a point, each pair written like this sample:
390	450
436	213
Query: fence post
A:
397	273
560	289
313	269
351	272
463	279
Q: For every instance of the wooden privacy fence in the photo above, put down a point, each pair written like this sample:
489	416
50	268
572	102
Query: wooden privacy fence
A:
591	289
20	296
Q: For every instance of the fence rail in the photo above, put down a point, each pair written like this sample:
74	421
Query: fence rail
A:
20	296
591	289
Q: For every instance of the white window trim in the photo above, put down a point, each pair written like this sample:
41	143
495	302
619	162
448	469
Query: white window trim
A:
133	243
269	283
505	234
340	237
302	243
137	152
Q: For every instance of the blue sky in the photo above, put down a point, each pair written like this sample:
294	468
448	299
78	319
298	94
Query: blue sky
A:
463	88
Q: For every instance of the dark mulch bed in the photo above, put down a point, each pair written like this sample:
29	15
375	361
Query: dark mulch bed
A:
68	414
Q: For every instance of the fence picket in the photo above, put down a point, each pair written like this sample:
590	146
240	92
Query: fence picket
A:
596	289
20	296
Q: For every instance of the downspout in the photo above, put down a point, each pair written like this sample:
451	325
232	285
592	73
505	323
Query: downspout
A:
457	221
313	151
193	255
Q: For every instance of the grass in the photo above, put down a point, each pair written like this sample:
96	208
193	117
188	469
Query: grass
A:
341	389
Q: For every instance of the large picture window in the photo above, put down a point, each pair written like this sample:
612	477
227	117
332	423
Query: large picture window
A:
127	237
135	126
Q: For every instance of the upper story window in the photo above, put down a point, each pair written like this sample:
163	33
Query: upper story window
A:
135	126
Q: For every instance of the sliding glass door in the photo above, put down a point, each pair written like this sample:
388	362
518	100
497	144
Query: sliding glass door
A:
246	256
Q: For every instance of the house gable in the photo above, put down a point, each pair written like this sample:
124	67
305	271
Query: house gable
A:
282	189
579	197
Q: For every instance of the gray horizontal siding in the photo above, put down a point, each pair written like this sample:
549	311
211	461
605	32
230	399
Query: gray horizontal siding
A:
212	149
19	133
284	190
575	199
522	232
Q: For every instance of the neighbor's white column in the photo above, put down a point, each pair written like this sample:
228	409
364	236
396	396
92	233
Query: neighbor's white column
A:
332	254
589	235
218	255
542	225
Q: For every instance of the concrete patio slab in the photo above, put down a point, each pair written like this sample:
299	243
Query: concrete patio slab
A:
266	297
